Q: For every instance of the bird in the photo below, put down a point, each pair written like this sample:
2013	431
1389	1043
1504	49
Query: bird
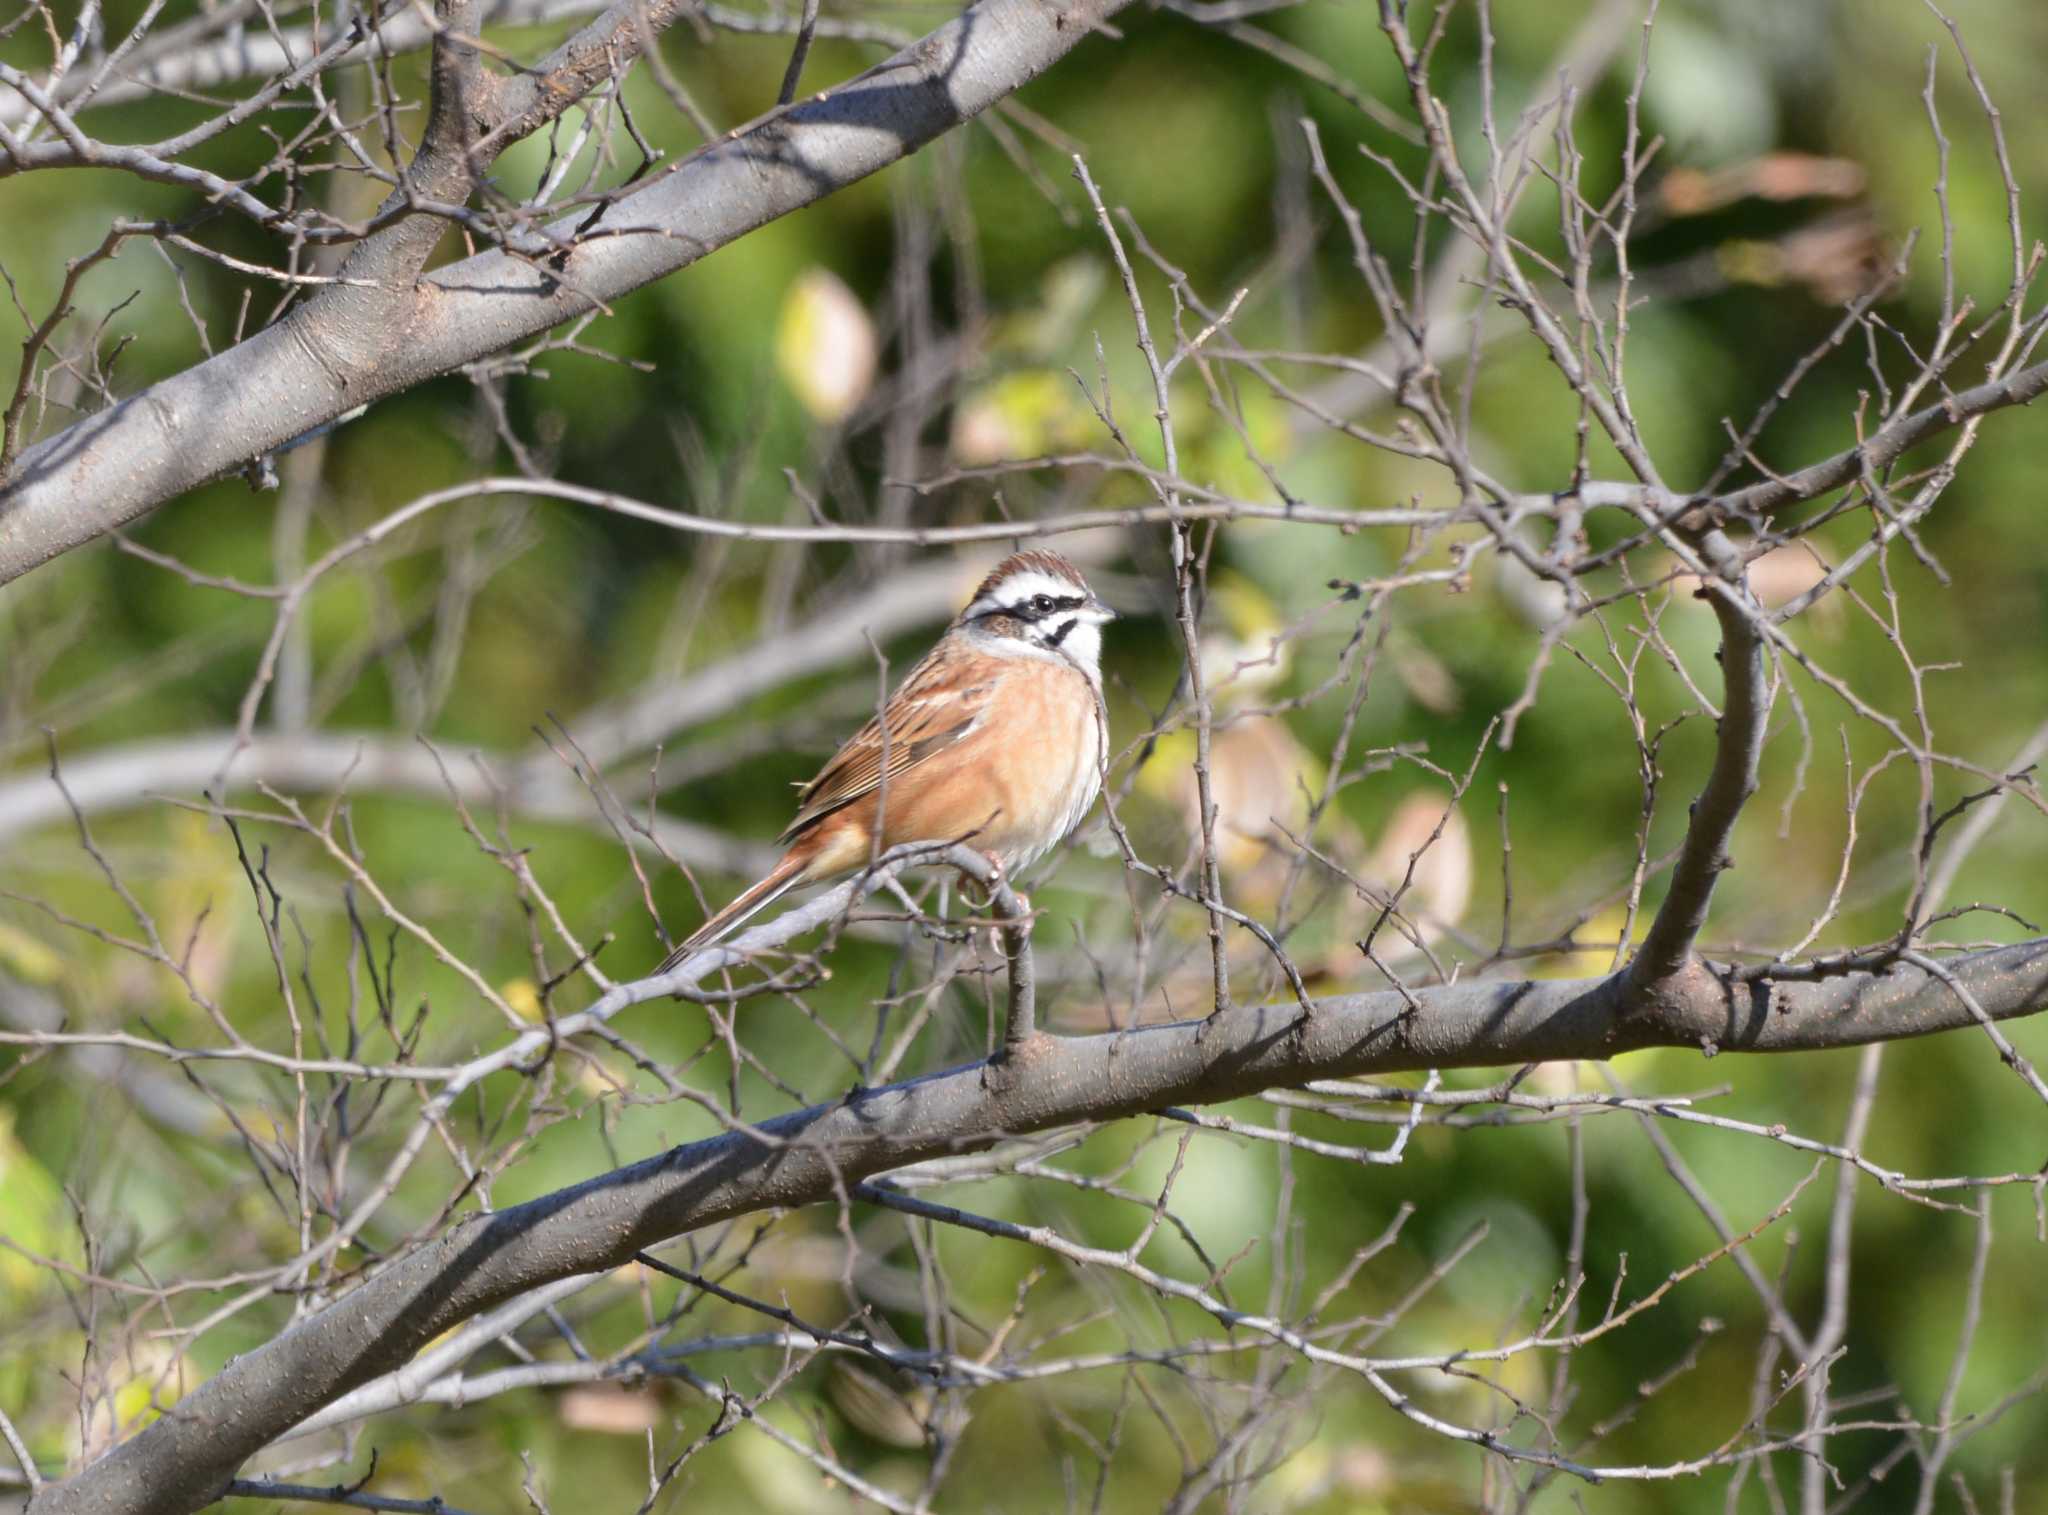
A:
995	738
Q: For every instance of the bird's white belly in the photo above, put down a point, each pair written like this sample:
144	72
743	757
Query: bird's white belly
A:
1072	787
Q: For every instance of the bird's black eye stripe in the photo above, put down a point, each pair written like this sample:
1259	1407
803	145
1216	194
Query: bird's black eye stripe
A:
1039	606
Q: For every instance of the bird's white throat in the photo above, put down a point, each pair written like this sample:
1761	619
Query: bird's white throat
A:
1084	645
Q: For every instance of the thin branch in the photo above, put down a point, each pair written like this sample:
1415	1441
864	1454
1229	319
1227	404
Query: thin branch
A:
808	1156
350	346
341	1494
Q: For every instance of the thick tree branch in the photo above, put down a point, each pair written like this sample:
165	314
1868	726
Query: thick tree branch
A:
532	784
913	595
810	1156
321	361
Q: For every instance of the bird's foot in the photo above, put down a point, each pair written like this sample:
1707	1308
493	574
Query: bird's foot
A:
986	887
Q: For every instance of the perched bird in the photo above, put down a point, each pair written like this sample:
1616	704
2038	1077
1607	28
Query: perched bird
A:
994	739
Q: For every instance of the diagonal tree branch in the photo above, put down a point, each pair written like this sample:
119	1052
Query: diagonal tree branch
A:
350	346
810	1156
1738	749
1878	452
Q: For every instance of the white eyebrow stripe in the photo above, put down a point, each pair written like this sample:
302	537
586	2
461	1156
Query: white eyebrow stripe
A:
1019	588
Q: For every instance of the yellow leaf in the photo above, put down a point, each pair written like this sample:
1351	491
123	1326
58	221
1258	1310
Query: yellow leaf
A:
32	1213
26	958
1025	414
522	996
1590	962
825	346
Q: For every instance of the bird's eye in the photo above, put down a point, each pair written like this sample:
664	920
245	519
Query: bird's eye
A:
1041	603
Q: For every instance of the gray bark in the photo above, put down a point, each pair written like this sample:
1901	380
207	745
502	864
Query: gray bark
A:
182	1462
332	355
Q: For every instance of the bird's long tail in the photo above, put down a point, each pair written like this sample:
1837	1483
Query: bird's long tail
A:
782	878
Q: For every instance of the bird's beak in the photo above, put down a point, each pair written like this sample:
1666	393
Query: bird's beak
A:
1098	610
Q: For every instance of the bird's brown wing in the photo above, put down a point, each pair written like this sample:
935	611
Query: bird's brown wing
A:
943	700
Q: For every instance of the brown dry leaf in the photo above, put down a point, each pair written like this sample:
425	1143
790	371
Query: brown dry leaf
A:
1774	176
1260	778
1837	258
612	1409
1441	887
1777	578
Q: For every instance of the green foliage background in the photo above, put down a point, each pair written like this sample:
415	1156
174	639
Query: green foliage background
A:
1185	129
